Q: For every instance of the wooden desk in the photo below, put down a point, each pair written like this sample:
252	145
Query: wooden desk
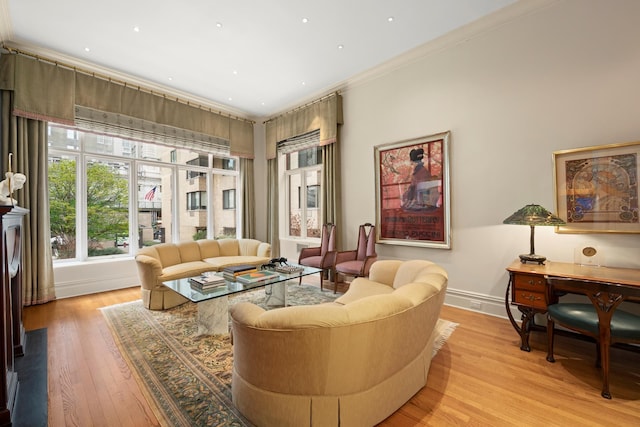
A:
527	288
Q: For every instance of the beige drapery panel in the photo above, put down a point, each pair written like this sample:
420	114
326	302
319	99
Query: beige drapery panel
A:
27	140
324	114
273	230
46	91
248	198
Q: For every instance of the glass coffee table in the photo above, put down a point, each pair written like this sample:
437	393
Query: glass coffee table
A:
213	304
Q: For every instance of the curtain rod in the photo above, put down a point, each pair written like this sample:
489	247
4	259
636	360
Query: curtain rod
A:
322	98
110	79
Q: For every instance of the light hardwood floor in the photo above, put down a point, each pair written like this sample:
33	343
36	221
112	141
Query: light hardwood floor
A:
479	378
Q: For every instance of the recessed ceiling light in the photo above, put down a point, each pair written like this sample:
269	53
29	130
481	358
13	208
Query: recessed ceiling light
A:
304	83
340	46
86	49
305	20
390	19
169	78
230	99
136	29
235	72
219	24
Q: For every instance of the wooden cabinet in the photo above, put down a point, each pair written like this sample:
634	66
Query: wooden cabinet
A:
11	328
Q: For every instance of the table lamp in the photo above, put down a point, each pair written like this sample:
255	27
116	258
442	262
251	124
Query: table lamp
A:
533	215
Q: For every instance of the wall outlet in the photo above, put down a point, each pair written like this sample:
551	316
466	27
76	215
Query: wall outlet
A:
475	305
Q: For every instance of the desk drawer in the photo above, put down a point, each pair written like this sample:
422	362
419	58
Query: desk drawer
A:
529	282
530	299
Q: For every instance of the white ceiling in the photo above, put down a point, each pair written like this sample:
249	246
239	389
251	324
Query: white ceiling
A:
254	58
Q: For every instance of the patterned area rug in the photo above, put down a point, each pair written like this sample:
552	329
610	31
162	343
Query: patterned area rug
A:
187	379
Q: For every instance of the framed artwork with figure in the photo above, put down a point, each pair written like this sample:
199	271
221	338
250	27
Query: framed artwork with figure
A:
597	188
412	192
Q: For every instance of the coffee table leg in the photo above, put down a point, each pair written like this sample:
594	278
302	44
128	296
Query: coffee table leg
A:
213	316
276	294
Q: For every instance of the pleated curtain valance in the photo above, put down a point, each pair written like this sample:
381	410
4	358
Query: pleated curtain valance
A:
324	115
50	92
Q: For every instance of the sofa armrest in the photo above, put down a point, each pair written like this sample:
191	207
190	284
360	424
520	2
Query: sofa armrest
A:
149	270
264	250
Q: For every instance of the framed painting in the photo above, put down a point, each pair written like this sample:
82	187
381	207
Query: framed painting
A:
596	188
412	192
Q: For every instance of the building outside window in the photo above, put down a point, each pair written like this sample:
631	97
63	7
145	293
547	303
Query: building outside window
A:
110	196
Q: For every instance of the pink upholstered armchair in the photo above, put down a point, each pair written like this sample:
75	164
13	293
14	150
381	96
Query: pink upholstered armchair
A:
322	256
357	262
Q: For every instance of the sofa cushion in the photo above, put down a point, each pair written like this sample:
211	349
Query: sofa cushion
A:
189	251
229	247
362	287
209	248
221	262
168	254
185	269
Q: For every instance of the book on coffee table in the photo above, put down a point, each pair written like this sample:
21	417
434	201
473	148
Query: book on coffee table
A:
207	282
256	276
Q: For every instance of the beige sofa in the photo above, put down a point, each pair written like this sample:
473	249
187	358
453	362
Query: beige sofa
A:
348	363
169	261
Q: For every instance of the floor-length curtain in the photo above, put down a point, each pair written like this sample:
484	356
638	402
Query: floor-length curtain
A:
273	230
248	199
26	139
331	187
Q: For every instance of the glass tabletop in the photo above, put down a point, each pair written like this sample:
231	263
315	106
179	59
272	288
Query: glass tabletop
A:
187	289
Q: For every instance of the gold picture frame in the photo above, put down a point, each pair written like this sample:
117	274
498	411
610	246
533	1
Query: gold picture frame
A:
596	188
413	202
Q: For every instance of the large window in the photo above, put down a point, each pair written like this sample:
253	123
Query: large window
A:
110	196
302	178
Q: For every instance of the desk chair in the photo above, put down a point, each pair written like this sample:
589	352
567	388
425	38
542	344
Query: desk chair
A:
321	256
599	319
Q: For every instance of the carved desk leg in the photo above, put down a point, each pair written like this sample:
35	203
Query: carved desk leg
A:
527	317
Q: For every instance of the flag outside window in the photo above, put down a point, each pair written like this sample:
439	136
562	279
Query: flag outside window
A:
151	194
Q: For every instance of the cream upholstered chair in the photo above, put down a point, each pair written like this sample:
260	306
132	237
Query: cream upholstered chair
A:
356	263
321	256
600	318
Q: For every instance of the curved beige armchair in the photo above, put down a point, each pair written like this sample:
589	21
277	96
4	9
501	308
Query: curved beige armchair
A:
348	363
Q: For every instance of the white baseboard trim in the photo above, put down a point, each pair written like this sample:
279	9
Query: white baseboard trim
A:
480	303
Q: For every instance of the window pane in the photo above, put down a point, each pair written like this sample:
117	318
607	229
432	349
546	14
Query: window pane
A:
107	207
192	187
63	138
62	205
313	203
224	218
154	199
295	211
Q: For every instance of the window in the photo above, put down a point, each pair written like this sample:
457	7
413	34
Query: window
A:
109	196
196	200
228	199
303	178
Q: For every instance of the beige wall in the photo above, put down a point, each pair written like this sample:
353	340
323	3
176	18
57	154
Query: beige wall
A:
545	76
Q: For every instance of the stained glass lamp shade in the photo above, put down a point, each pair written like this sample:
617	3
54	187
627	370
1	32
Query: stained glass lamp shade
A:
533	215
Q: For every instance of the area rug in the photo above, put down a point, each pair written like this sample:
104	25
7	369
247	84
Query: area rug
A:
185	378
